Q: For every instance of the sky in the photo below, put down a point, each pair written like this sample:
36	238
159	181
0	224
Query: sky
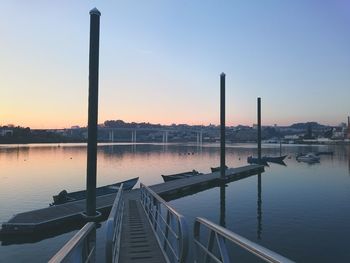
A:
161	60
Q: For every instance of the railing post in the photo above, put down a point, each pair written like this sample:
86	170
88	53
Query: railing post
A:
223	236
210	244
223	249
113	228
156	216
80	247
166	229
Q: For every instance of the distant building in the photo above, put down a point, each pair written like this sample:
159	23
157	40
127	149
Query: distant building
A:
338	133
292	137
309	134
6	132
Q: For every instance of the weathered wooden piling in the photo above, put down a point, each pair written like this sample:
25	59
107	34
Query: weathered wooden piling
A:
222	126
93	113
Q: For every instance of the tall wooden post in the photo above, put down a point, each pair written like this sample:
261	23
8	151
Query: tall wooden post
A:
222	126
93	113
259	130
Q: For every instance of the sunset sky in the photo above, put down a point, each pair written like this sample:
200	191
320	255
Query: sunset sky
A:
160	61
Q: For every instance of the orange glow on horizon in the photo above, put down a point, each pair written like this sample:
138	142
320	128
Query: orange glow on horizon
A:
61	123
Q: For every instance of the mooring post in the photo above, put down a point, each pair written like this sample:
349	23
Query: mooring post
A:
259	130
222	126
93	113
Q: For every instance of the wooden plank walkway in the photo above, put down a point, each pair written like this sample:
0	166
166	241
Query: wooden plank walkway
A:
51	217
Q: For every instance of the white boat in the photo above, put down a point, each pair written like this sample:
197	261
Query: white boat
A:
308	158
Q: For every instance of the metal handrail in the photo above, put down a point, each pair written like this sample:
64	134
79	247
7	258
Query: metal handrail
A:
169	226
80	248
221	234
113	227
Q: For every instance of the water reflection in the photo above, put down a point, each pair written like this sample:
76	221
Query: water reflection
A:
259	206
259	211
222	205
279	162
309	204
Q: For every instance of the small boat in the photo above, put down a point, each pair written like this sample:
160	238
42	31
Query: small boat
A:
172	177
297	155
65	197
324	153
255	160
217	169
308	158
280	163
274	159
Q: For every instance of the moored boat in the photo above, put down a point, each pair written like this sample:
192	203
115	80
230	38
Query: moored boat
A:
217	169
172	177
255	160
324	153
308	158
273	159
65	197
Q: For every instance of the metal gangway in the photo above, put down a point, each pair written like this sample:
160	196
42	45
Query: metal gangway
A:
169	228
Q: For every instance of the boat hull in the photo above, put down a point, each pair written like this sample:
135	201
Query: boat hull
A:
65	197
308	158
173	177
273	159
254	160
217	169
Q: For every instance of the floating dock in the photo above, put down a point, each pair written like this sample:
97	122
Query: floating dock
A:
59	215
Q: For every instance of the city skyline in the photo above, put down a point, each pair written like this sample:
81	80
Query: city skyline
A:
160	62
103	123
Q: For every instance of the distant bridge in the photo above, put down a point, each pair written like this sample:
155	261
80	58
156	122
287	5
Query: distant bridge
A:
165	132
134	130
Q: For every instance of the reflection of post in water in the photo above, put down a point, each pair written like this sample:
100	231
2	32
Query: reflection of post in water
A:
222	205
259	212
164	147
348	155
111	148
259	130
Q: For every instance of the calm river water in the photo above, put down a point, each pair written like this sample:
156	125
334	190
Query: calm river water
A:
301	211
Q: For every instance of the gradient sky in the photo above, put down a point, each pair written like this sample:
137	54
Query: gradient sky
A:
160	61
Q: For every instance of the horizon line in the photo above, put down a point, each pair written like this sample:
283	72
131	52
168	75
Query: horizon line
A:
170	124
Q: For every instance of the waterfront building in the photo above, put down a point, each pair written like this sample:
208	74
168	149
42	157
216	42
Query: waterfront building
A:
6	132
